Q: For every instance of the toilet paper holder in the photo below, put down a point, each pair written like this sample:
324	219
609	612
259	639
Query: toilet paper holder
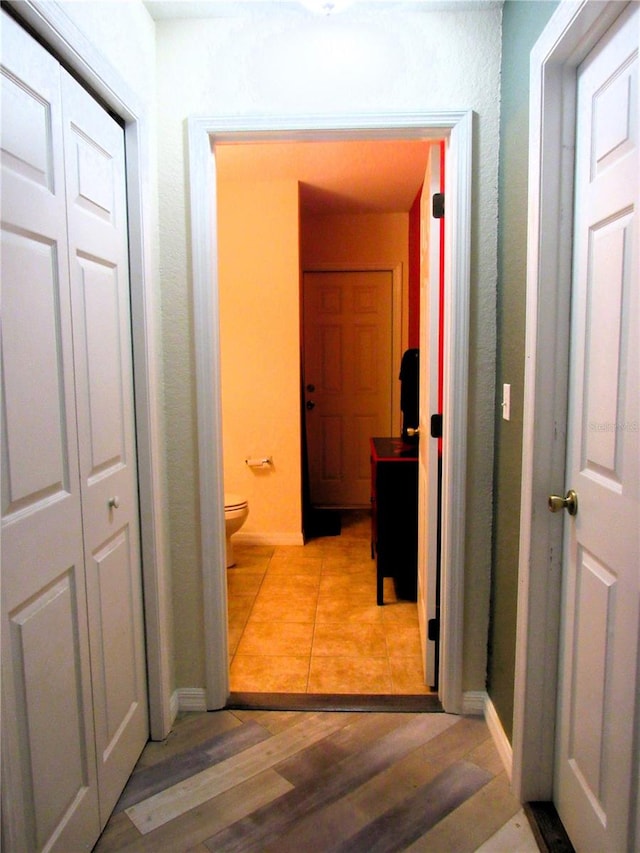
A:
259	462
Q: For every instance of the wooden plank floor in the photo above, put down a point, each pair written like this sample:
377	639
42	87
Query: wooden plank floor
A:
249	780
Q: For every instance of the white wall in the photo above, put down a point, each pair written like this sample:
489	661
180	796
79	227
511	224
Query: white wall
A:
400	61
125	34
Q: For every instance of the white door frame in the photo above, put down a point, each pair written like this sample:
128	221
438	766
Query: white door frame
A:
51	23
203	132
571	33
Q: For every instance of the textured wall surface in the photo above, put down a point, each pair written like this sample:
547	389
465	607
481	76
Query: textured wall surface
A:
522	23
126	40
397	62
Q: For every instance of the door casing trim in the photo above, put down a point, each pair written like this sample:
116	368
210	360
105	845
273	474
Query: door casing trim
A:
572	31
203	132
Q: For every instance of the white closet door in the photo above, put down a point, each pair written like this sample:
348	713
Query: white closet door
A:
49	784
98	257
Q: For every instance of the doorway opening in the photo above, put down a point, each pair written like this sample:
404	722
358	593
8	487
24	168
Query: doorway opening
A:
305	620
205	134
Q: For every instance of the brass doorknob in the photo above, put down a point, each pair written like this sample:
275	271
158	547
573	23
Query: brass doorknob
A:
411	431
570	503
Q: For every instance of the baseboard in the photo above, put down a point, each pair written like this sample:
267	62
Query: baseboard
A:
268	538
478	703
473	702
191	698
174	705
502	742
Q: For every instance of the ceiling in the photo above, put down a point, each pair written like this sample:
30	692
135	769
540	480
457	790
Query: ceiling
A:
366	176
163	9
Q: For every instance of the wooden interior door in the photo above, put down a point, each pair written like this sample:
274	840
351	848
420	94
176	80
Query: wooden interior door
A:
50	792
428	496
348	374
596	753
98	258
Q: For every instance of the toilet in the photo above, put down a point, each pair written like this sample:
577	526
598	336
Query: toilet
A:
236	510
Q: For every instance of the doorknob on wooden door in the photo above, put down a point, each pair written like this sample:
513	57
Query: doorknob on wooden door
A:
411	431
570	503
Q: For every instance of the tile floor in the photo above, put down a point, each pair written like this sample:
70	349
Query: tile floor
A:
305	620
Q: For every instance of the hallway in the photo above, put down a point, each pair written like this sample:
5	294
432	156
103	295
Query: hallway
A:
305	620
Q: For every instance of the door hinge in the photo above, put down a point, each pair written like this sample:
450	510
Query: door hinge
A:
437	205
433	630
436	426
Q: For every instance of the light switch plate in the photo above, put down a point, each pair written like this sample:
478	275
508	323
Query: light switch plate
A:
506	402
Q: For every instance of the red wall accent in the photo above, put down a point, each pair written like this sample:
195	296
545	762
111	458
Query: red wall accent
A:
441	330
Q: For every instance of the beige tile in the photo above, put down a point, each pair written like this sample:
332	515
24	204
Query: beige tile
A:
389	591
246	552
295	554
277	595
285	608
346	564
290	584
404	612
314	547
347	610
289	565
349	675
407	676
244	583
234	635
248	563
354	584
239	608
403	639
363	639
276	638
269	674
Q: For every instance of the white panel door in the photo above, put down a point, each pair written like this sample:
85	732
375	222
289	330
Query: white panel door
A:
428	500
98	258
601	589
348	374
49	780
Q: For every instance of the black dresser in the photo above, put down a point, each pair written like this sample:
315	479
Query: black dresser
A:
394	515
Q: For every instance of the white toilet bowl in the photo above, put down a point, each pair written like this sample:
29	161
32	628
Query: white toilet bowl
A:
236	510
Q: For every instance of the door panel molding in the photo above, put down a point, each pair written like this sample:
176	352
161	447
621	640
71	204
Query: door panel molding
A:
571	33
203	132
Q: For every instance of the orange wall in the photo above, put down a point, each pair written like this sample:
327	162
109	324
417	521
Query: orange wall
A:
258	267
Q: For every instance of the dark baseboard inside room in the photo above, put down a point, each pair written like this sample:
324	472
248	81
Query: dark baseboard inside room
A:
333	702
547	828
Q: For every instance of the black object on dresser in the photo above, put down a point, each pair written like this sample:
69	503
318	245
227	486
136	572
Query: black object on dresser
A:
394	515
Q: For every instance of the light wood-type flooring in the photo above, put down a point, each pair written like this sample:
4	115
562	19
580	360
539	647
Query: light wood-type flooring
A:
319	782
305	620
